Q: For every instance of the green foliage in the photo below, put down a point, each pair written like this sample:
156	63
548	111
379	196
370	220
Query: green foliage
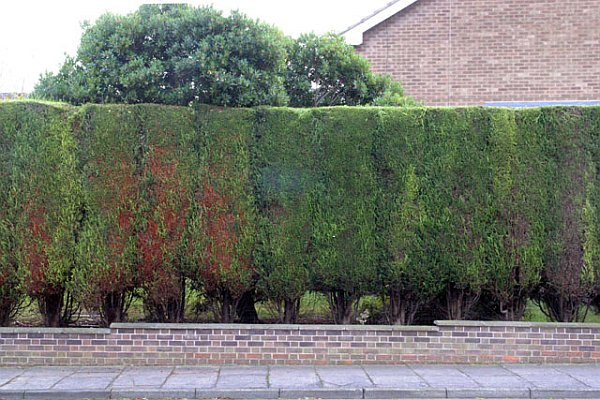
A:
465	213
285	176
42	200
224	229
139	164
178	54
571	264
343	207
173	54
520	173
325	71
411	275
69	84
106	251
10	285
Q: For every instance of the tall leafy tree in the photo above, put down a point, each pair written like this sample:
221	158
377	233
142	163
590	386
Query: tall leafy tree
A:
177	54
325	71
173	54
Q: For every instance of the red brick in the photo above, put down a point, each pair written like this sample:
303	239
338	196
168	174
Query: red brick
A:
449	52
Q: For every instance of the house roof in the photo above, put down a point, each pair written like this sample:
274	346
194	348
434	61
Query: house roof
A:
354	33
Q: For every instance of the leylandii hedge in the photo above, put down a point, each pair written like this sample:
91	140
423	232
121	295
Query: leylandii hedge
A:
459	213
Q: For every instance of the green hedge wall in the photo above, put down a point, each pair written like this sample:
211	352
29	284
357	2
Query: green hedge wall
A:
452	213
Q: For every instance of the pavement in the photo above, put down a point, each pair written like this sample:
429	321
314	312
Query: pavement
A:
343	382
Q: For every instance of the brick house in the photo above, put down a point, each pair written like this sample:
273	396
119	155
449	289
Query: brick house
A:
459	52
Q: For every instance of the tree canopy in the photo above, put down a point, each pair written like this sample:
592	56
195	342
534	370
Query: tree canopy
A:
178	54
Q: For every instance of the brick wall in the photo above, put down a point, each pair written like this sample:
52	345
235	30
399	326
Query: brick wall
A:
451	52
186	344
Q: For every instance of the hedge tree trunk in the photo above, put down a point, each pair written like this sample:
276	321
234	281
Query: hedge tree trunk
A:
459	303
246	310
403	309
113	307
227	304
342	304
51	308
291	311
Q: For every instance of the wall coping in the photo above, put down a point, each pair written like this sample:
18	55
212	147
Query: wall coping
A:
299	327
292	327
519	324
38	329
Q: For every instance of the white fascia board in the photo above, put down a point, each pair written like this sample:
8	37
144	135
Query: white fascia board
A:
354	35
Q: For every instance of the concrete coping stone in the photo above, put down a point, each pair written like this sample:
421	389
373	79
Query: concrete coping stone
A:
294	327
520	324
39	329
298	327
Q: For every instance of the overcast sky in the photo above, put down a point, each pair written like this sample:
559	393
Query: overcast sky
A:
35	35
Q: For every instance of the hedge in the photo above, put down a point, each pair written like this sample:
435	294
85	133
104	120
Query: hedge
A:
442	212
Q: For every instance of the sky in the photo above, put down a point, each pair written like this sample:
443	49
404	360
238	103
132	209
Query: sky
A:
36	35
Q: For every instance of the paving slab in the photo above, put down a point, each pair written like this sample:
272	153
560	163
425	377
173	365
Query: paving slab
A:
243	377
147	377
87	381
546	377
66	394
192	378
323	393
396	393
153	393
565	394
399	376
8	374
589	375
441	376
348	377
494	376
32	382
238	394
334	382
294	378
488	393
12	394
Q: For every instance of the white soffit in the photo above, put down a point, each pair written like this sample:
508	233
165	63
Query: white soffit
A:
354	34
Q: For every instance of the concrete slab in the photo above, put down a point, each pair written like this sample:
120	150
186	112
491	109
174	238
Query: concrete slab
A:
12	394
49	371
323	393
100	370
86	381
8	374
488	393
294	378
587	374
152	393
237	393
66	394
565	394
485	371
444	376
192	378
142	377
394	376
395	393
340	377
494	377
369	382
243	377
29	382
